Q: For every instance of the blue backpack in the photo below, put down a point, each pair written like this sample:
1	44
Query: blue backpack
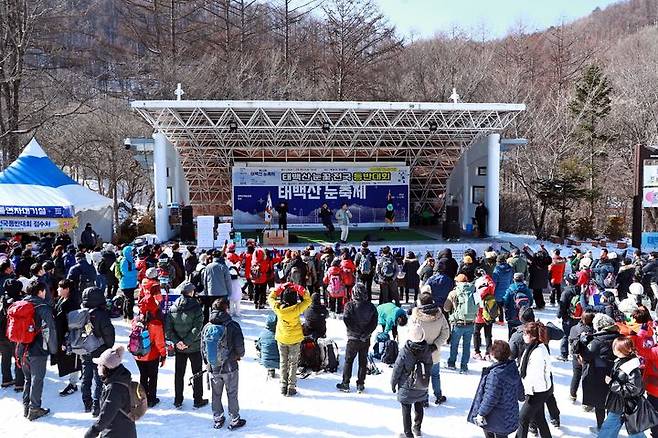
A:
215	345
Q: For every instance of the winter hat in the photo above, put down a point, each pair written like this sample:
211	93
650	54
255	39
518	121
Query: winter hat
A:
151	273
110	358
461	278
602	322
359	292
416	333
609	296
185	288
289	298
636	289
48	265
572	279
501	259
468	259
315	299
231	247
526	314
490	254
612	256
519	277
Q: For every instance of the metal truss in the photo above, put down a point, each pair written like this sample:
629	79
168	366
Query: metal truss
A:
213	135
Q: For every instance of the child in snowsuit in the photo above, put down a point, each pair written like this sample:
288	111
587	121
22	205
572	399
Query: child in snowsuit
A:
267	346
410	379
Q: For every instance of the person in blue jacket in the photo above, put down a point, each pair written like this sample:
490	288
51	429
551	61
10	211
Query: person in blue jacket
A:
495	407
390	316
128	281
440	284
268	347
518	295
502	276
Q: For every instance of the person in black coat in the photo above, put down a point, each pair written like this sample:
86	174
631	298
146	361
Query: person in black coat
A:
445	258
416	354
625	389
115	401
360	318
67	364
584	326
538	264
282	209
315	318
598	359
94	300
12	291
481	214
326	216
624	279
566	313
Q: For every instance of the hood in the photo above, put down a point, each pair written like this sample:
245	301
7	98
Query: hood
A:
626	268
93	297
270	323
504	267
508	371
334	270
149	305
127	252
118	374
185	304
359	293
315	299
427	313
218	317
559	260
34	300
417	348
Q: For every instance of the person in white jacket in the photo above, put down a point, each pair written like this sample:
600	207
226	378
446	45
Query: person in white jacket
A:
535	370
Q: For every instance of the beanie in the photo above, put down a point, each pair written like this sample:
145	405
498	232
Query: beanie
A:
151	273
636	289
518	277
602	322
526	314
461	278
110	358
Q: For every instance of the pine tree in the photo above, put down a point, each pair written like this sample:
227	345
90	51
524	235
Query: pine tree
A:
590	106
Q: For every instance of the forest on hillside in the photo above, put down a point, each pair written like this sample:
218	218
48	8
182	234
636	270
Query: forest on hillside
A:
68	69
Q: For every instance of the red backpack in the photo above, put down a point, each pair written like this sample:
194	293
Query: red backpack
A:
336	287
21	325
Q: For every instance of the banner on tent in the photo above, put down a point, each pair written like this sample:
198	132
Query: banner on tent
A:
48	212
33	225
375	195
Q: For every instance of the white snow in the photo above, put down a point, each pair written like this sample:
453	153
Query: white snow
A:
318	410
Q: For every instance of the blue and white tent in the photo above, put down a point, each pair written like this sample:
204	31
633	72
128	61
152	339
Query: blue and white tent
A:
33	188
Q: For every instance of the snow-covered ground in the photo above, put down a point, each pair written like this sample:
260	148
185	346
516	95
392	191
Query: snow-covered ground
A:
318	410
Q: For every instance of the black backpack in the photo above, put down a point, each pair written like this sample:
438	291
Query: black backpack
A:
390	352
86	281
310	357
419	377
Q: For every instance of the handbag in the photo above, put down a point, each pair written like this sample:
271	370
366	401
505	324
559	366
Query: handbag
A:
640	415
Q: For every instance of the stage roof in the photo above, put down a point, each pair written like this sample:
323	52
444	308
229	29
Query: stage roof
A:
429	136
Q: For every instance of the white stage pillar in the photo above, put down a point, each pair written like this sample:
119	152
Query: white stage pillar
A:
466	191
493	184
160	147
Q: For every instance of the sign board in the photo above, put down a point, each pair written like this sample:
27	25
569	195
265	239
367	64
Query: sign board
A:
223	234
35	211
649	197
372	193
649	241
37	225
205	231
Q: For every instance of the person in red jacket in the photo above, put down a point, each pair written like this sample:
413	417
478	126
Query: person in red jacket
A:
259	268
647	349
484	286
232	256
249	285
150	286
556	272
334	279
151	316
349	273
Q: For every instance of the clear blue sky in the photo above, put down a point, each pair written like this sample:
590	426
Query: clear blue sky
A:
426	17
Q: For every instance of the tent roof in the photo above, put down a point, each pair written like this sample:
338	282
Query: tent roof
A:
33	180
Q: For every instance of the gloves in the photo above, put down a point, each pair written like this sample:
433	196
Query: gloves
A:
92	432
393	389
480	421
162	360
433	348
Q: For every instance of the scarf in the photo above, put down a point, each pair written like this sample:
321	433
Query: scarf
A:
526	357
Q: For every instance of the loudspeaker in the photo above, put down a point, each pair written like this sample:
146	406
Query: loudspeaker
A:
292	238
453	230
187	215
187	232
452	213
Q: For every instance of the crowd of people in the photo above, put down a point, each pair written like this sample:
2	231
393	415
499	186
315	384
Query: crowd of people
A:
59	301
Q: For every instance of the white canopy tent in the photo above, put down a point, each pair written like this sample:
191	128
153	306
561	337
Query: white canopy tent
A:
37	196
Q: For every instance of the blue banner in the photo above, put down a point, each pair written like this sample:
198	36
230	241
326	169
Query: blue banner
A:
32	211
376	196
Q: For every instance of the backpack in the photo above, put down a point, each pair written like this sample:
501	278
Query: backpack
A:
378	347
365	264
215	344
138	402
117	268
86	282
115	306
465	308
21	324
328	354
490	309
575	310
81	337
390	352
387	270
610	280
521	300
419	377
139	341
296	275
336	287
254	270
310	356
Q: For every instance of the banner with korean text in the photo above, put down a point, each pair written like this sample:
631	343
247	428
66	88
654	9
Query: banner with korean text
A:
376	195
